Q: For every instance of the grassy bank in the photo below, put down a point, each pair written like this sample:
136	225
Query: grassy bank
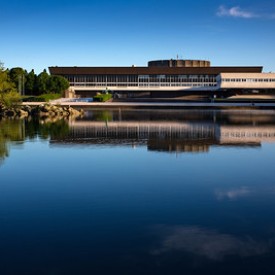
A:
102	97
41	98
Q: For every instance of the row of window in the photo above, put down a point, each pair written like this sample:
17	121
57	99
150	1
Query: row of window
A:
142	84
247	134
249	80
139	78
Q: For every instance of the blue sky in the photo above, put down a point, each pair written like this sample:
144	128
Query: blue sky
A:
38	34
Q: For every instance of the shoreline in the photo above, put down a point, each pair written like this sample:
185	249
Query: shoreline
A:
163	105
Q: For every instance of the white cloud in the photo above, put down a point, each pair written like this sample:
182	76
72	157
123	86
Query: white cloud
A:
235	12
243	191
208	243
233	194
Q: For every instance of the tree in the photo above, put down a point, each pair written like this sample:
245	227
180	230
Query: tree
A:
17	76
30	86
8	94
5	84
29	83
57	84
42	82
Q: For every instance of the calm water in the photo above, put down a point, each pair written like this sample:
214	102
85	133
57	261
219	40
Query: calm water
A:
139	192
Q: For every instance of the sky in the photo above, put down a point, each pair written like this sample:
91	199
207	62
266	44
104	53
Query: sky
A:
39	34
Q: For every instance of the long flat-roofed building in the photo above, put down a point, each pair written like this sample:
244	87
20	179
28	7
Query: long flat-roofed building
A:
164	78
246	80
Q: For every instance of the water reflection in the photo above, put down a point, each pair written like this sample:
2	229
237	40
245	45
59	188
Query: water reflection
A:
234	194
173	131
10	131
17	131
99	205
208	243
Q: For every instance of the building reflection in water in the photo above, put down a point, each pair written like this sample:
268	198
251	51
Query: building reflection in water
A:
173	130
160	130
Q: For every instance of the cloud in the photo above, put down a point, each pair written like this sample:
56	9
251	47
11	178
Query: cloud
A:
208	243
235	12
243	191
233	194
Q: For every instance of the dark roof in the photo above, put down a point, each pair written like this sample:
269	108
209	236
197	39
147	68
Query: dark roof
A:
150	70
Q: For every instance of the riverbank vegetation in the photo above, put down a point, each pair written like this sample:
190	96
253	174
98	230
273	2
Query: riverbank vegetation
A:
8	92
15	83
41	98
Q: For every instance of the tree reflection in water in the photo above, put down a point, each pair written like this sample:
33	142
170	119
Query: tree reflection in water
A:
10	131
16	131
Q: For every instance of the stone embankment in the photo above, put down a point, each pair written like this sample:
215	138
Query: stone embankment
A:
42	111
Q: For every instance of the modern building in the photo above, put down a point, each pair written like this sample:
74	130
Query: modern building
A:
166	78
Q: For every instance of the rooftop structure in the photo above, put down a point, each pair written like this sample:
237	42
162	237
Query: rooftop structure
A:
179	63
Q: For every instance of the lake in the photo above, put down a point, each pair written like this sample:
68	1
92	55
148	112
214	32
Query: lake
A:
139	192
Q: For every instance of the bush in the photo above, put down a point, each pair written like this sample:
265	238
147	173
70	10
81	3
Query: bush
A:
102	97
41	98
10	99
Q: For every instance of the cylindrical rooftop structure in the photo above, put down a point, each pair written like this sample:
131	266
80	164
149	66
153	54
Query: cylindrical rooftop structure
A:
179	63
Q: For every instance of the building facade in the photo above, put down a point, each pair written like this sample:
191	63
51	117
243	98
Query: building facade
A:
165	78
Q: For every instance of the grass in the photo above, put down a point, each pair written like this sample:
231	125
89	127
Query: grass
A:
41	98
102	97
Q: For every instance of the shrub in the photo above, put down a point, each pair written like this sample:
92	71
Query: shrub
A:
41	98
102	97
10	99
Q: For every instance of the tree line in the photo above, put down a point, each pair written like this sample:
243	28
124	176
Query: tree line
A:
29	83
16	82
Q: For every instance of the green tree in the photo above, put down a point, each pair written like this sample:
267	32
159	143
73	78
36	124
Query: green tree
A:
17	76
31	83
57	84
8	94
42	82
